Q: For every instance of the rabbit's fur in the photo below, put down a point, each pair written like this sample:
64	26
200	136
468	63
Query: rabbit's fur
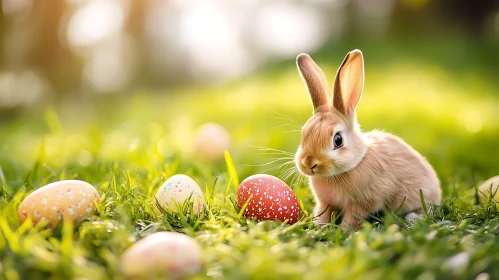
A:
369	170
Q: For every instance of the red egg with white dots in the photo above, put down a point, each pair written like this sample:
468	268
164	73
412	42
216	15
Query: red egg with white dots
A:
269	199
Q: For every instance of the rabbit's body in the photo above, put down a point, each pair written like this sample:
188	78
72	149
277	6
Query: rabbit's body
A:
350	171
389	171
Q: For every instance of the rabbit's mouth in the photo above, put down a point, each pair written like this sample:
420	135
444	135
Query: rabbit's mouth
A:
305	170
322	169
314	170
308	172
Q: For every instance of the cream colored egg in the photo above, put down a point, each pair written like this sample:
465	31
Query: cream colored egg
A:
211	141
162	255
64	200
179	188
486	187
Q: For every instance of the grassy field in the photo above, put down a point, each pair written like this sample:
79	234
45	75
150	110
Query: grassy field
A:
441	100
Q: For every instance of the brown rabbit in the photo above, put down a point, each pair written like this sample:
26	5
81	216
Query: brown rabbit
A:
350	171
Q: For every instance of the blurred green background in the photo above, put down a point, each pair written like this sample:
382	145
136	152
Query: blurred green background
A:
106	81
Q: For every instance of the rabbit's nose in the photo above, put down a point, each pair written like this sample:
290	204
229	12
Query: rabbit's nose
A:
309	162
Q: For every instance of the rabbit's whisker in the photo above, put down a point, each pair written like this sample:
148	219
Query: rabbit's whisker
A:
289	131
285	124
286	117
265	149
277	167
271	162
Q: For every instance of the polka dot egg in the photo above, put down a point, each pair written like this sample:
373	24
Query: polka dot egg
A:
269	199
179	188
70	199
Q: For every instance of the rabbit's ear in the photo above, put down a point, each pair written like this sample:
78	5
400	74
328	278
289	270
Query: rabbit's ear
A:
349	83
314	79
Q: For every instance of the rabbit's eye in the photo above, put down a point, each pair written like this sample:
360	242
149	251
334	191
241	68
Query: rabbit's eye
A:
338	140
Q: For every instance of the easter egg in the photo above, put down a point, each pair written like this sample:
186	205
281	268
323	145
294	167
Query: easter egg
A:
162	255
179	188
64	200
211	141
485	188
269	199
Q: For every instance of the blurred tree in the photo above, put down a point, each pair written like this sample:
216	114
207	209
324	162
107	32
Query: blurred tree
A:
44	47
135	27
470	15
50	53
3	27
426	18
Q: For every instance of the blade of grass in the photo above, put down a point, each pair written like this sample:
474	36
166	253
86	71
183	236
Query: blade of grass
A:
423	202
240	214
227	189
400	206
232	170
4	189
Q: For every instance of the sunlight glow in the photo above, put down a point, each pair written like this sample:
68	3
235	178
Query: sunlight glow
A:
205	26
286	29
211	41
109	67
217	39
95	21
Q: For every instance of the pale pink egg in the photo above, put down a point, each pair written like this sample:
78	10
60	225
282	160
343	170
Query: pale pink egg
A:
211	141
168	255
492	184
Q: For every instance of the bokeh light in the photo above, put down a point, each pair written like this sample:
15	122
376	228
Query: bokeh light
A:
473	121
95	21
24	88
285	29
112	46
109	67
19	9
211	40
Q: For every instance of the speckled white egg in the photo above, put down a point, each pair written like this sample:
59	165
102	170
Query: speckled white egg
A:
162	255
211	141
179	188
69	200
486	187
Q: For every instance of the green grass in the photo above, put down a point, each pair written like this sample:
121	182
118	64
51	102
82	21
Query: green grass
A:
126	148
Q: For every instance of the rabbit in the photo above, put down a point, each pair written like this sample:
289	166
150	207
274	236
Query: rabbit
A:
350	171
